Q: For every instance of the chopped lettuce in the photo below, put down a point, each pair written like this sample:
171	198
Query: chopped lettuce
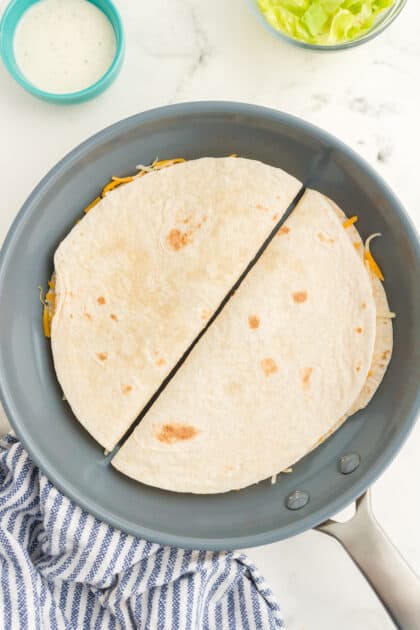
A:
325	22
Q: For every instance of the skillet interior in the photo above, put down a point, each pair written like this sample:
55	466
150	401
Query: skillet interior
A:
32	397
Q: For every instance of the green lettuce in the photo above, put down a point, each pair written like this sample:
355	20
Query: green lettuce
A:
325	22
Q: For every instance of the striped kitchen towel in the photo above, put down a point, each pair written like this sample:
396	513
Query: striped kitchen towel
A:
62	568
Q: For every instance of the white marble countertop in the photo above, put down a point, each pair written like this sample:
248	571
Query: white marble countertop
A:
181	50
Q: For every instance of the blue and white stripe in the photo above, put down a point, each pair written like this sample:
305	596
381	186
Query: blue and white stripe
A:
60	568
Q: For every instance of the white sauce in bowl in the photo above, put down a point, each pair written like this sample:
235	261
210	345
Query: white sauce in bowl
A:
63	46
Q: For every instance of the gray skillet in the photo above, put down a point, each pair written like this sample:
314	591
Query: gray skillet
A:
33	401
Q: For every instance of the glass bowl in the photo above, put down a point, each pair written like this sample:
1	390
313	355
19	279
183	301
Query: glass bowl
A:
383	22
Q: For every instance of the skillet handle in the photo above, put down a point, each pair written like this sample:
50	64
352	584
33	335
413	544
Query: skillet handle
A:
394	582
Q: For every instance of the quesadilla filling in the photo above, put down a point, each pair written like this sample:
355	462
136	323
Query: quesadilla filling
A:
373	265
49	306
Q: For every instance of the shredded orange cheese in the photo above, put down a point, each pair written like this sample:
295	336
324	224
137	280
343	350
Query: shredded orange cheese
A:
158	164
348	222
92	204
50	297
356	245
49	305
46	322
123	180
119	181
374	267
110	186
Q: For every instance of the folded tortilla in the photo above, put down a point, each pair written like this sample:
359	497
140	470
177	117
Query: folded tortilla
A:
139	277
383	346
293	352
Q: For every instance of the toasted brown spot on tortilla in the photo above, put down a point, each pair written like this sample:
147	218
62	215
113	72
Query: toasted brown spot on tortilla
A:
126	389
87	315
324	238
205	314
259	206
359	330
283	230
233	387
385	354
363	305
253	321
71	315
177	239
269	366
306	376
114	317
160	361
369	374
300	296
276	216
101	300
171	433
102	356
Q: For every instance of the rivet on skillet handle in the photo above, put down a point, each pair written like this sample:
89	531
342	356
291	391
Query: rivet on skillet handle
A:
297	500
395	583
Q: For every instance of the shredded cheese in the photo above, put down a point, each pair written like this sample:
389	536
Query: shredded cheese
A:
119	181
356	245
49	306
46	322
41	297
114	183
389	315
92	204
286	471
50	298
158	164
146	169
348	222
123	180
374	267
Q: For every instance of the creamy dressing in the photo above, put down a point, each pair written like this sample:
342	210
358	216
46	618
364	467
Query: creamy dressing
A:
64	46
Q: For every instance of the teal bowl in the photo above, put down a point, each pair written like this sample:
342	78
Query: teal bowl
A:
8	24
